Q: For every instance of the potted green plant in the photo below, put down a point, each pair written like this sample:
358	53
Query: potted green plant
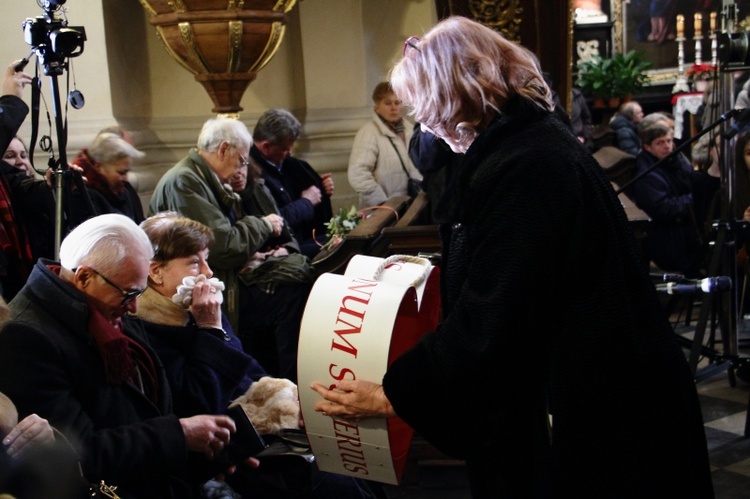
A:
613	79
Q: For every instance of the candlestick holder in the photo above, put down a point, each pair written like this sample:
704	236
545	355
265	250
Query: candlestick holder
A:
698	48
681	85
714	48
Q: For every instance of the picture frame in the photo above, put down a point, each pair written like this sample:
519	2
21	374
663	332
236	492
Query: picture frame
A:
634	30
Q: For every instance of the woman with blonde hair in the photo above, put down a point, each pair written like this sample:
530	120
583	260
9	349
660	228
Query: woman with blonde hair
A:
554	349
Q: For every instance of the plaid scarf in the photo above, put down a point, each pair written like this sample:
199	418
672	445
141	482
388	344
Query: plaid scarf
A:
13	239
396	127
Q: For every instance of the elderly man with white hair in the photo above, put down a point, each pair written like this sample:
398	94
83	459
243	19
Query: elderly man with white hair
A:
199	188
71	354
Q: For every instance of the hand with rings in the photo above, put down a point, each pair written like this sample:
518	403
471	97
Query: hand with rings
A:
206	305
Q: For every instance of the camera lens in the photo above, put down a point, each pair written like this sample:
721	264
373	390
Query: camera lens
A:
67	42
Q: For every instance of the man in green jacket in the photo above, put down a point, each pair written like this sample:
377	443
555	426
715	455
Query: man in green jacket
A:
198	188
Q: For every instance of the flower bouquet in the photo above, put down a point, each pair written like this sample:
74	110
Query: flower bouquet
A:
701	72
699	75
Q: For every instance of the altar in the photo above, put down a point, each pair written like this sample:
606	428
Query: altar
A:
685	103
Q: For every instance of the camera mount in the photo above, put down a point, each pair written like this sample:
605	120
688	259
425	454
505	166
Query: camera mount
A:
52	39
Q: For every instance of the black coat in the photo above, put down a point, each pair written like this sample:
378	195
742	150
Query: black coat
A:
626	132
549	306
666	195
34	208
51	366
286	187
128	203
12	113
205	370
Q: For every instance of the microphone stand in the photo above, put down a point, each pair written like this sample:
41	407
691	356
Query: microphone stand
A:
724	118
729	358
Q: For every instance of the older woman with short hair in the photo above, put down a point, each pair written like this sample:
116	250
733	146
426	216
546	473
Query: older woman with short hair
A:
538	258
665	193
205	364
203	359
106	163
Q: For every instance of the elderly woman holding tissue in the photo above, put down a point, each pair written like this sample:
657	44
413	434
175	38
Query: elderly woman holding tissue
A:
204	361
181	310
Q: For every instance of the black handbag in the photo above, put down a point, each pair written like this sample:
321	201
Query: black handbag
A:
414	186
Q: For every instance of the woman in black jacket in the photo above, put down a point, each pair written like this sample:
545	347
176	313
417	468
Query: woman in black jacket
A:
554	371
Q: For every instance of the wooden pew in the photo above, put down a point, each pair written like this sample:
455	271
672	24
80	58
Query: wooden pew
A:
619	165
410	235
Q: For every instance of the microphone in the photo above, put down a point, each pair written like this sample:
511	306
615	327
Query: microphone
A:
740	121
707	285
668	277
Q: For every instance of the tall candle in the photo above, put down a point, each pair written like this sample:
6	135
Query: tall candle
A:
680	26
698	18
712	24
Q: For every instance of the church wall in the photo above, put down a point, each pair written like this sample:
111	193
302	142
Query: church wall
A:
332	55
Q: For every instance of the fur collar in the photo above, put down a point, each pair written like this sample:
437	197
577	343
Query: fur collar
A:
159	309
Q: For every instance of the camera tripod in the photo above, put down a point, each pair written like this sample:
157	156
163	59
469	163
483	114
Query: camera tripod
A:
54	43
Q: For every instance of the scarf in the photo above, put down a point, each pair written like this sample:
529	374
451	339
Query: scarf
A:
396	127
94	178
124	359
159	309
12	240
223	192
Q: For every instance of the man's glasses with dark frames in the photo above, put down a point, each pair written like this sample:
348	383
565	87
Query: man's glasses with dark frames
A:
127	296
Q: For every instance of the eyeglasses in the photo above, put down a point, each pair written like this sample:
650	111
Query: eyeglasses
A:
244	162
411	42
127	296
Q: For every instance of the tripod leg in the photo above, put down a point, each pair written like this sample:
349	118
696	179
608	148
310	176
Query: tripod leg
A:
700	327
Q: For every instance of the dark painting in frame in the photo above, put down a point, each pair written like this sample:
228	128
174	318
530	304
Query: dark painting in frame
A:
650	26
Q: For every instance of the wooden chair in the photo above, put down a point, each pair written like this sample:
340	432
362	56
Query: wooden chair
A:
410	235
602	136
619	165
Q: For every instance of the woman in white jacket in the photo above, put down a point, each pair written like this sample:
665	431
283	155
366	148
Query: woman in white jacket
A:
379	166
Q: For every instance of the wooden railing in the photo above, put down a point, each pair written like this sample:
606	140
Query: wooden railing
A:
398	227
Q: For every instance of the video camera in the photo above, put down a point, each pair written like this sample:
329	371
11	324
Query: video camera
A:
51	37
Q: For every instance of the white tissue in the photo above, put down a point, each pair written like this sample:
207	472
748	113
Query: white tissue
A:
184	295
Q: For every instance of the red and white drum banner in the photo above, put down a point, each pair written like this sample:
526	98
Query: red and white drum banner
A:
354	326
